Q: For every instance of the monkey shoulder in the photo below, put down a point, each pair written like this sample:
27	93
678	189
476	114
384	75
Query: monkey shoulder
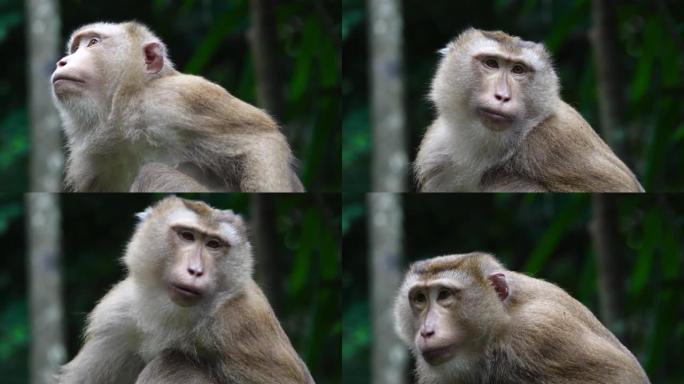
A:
563	153
257	348
213	108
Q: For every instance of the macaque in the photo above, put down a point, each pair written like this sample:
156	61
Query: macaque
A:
188	311
502	126
469	320
135	123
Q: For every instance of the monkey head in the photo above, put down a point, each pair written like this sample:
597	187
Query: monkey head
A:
99	58
190	250
501	80
448	307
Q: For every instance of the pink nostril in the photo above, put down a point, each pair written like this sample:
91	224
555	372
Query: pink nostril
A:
195	272
61	63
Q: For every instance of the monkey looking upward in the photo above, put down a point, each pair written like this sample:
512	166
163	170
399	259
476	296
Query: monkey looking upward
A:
469	320
502	126
135	123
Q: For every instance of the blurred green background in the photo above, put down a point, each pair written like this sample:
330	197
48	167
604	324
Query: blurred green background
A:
651	64
208	38
546	236
304	259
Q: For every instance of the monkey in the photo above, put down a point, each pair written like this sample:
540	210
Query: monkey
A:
124	107
502	126
188	310
467	319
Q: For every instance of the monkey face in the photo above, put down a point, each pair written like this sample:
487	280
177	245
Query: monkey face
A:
190	250
438	332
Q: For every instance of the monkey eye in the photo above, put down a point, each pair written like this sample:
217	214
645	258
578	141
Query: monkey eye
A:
213	244
419	298
92	42
443	294
518	69
491	63
186	235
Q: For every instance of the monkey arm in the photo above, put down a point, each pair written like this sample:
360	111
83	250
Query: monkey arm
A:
158	177
171	367
108	355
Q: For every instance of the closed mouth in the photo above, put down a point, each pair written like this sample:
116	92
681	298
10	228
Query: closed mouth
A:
438	355
66	78
495	115
186	291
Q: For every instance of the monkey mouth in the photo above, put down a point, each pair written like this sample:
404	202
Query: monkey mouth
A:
185	292
65	78
495	116
438	355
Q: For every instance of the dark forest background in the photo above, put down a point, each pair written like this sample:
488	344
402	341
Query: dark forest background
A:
296	240
208	38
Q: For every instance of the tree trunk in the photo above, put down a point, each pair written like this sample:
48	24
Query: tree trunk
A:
43	31
389	355
45	286
604	41
47	351
264	47
610	273
264	235
389	159
604	223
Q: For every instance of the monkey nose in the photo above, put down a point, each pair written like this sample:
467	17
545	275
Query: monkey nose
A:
427	332
197	272
502	97
62	62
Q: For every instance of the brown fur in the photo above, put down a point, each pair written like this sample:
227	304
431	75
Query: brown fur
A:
538	334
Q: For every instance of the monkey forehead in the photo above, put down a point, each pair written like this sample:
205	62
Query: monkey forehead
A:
101	28
130	28
498	43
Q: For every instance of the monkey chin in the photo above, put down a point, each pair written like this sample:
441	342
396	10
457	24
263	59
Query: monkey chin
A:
183	295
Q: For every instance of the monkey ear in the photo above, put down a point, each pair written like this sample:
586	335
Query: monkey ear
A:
443	52
498	281
142	215
154	57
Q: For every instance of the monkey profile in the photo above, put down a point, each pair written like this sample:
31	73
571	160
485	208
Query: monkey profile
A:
134	123
467	320
502	126
188	310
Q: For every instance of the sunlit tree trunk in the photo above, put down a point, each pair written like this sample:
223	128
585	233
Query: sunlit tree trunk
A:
45	286
47	351
385	217
389	159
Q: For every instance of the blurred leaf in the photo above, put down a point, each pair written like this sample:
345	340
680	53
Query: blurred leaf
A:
556	229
